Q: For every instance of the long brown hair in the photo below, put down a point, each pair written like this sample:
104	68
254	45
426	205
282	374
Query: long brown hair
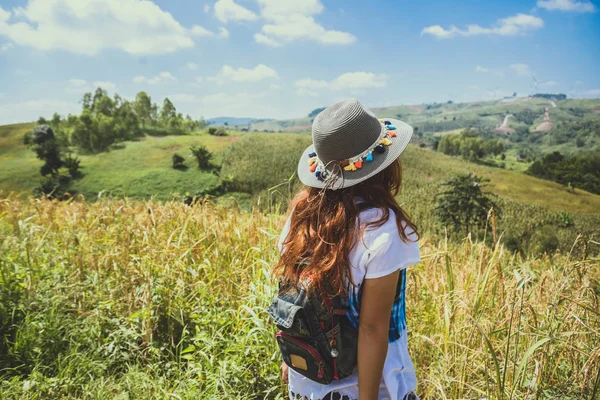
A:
323	228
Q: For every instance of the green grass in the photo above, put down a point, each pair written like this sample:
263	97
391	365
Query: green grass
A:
138	169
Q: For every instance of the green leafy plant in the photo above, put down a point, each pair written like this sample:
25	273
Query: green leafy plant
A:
203	156
463	205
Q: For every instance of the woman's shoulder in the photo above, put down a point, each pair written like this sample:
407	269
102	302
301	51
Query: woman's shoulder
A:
370	216
382	249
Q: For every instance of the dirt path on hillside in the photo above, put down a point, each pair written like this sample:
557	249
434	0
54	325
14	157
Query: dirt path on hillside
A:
503	128
505	122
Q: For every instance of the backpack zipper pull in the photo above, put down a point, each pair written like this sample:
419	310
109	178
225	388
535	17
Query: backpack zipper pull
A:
321	370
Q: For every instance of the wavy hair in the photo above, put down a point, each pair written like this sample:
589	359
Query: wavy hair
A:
323	229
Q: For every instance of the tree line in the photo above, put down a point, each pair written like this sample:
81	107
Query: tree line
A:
104	121
581	170
469	146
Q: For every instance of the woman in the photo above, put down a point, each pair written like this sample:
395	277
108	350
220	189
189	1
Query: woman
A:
360	243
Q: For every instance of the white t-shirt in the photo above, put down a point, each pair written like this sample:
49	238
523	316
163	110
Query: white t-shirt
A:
381	253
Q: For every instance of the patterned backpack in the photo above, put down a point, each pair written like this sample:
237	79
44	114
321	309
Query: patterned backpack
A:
316	337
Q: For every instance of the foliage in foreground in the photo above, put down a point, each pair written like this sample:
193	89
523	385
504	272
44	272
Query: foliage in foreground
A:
130	299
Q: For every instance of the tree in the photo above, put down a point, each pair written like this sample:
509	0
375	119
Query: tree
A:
43	142
154	113
168	111
463	205
143	107
203	156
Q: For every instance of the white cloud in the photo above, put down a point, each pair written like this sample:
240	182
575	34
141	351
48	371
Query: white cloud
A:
567	5
262	39
292	20
33	109
192	66
273	9
511	26
219	98
521	69
228	10
207	8
274	86
104	85
76	83
163	77
6	46
359	80
228	74
80	86
88	27
348	81
198	30
592	92
224	33
183	98
490	71
307	92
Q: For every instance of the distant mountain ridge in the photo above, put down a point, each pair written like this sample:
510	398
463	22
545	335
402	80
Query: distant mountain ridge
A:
236	120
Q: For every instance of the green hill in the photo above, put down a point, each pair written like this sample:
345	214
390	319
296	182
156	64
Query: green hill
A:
141	169
439	117
138	169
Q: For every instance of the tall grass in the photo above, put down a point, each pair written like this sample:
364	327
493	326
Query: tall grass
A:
130	299
531	219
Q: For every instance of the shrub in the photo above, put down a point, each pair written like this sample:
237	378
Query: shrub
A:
545	240
512	243
217	131
203	156
464	206
565	219
178	161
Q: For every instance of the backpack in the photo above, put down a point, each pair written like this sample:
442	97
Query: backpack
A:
316	337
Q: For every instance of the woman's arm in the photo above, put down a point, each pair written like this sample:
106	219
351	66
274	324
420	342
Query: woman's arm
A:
375	308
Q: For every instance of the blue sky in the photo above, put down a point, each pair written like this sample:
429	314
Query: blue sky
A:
283	58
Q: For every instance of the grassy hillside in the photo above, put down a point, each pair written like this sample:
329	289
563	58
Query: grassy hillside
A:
443	117
137	169
143	168
422	167
129	299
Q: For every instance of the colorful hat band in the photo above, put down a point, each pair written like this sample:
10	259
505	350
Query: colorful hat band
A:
354	163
